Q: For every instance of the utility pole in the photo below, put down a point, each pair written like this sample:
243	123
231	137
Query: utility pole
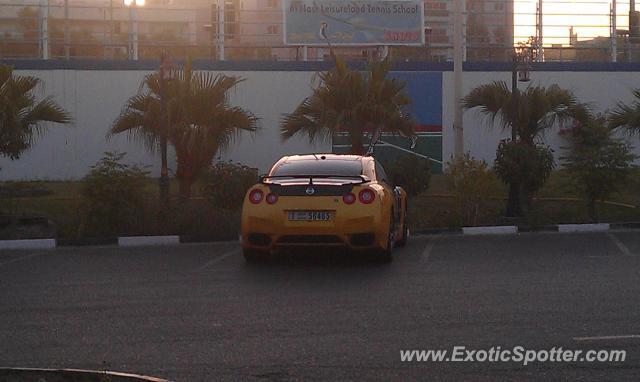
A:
513	204
458	132
134	19
67	38
44	29
514	97
539	26
221	30
133	27
165	73
519	72
111	24
614	32
633	22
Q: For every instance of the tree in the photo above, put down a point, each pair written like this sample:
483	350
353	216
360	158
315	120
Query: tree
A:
113	194
529	50
21	114
528	167
599	164
538	109
346	100
410	172
472	183
199	118
627	116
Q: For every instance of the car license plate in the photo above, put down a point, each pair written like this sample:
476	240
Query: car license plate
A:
322	216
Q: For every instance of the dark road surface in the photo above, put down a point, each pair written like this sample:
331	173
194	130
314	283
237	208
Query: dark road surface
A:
199	313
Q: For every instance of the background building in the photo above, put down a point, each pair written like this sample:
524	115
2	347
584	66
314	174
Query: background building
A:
253	29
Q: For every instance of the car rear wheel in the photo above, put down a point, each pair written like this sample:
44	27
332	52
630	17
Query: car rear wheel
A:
405	231
386	255
254	256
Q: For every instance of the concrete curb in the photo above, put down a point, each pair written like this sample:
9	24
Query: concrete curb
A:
437	231
193	239
510	230
135	241
624	225
495	230
542	228
598	227
28	244
92	241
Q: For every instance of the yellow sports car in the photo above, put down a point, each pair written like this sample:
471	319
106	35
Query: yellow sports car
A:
324	200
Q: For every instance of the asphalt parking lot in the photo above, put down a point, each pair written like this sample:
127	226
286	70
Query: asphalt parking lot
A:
199	313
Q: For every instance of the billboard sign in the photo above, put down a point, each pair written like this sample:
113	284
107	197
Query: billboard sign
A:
356	23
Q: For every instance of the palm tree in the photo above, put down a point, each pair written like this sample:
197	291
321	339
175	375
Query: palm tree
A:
538	109
353	102
627	116
201	121
21	115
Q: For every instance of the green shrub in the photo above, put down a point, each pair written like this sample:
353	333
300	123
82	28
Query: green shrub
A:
472	183
410	172
226	183
598	164
113	196
527	166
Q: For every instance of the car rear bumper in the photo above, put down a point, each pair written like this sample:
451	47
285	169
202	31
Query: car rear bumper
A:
359	233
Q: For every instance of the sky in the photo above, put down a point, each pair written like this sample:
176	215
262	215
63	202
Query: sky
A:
590	18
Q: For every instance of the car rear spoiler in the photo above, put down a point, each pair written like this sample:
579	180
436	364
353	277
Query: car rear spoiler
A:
358	179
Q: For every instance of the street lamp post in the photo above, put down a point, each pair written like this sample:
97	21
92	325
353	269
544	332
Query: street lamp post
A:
458	57
514	98
133	31
519	73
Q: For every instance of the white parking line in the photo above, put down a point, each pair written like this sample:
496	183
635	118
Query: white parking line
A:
607	338
218	259
623	248
426	253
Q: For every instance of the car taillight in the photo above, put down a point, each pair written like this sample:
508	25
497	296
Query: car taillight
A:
256	196
366	196
349	198
272	198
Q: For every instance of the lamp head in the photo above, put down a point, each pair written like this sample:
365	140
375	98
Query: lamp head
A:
524	72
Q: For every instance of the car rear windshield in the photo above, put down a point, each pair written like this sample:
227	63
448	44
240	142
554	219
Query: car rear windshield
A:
319	167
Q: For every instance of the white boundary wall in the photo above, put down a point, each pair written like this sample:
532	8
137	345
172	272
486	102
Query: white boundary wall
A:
602	90
95	98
